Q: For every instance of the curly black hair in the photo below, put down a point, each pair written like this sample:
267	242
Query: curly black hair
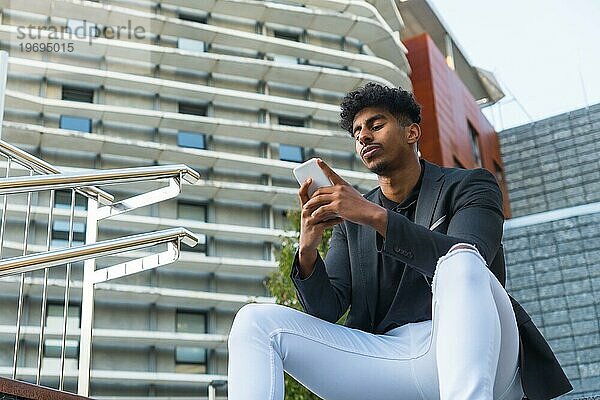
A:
398	102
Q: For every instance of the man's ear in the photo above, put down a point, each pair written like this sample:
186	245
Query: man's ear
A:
413	133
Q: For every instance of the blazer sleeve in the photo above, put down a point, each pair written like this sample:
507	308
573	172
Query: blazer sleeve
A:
476	218
326	292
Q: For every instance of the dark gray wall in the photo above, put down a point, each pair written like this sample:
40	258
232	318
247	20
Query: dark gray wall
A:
553	267
553	163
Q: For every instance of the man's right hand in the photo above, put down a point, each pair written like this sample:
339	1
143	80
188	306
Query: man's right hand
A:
311	233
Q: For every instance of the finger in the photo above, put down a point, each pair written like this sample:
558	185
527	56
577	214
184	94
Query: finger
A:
317	201
330	222
325	212
324	190
303	191
333	177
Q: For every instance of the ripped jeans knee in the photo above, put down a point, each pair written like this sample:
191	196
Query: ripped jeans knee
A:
461	267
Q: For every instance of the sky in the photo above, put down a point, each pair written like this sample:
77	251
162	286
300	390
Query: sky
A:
544	53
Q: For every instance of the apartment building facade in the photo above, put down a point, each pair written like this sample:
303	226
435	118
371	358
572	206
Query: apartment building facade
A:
239	90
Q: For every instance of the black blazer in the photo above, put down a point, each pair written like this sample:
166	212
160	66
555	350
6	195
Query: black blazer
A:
454	206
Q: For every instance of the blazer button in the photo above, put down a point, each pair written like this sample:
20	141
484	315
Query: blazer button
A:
397	249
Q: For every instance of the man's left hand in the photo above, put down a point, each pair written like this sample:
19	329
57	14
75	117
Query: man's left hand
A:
343	200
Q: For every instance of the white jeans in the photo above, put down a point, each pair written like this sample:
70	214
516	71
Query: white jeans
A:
469	351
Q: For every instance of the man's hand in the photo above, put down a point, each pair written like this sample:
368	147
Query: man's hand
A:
344	201
329	206
311	232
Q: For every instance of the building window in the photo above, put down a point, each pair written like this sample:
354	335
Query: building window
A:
194	212
291	153
54	324
191	359
81	29
73	93
202	19
294	37
192	108
193	140
62	199
285	35
291	121
60	233
75	123
197	46
475	146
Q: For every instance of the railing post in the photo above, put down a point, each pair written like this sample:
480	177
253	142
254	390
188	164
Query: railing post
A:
87	303
3	75
212	388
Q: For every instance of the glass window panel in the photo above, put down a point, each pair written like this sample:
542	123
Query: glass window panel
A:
77	94
193	211
52	348
75	123
291	121
54	316
294	37
282	58
191	45
191	140
291	153
60	233
62	199
192	108
82	29
189	322
193	17
190	355
475	146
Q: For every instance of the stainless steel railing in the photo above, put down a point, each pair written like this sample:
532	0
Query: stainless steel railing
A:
37	261
35	165
43	177
42	167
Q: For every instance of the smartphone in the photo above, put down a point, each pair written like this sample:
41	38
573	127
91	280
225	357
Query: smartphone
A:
310	169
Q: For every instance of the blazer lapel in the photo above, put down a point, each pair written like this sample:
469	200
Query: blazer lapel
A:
431	187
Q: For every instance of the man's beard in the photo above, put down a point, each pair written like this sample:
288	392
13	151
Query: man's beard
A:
380	168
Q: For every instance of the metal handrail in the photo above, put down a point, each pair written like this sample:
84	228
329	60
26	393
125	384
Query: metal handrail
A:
102	177
42	167
33	262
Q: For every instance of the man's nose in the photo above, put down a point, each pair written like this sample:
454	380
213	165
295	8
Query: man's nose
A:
365	136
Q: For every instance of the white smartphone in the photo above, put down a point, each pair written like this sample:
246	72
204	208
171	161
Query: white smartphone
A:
310	169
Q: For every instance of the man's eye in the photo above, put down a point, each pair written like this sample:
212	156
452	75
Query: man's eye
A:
377	127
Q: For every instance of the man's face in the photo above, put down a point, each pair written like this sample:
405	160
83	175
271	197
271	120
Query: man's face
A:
381	141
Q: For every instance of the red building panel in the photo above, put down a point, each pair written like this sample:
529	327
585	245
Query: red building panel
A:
451	117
